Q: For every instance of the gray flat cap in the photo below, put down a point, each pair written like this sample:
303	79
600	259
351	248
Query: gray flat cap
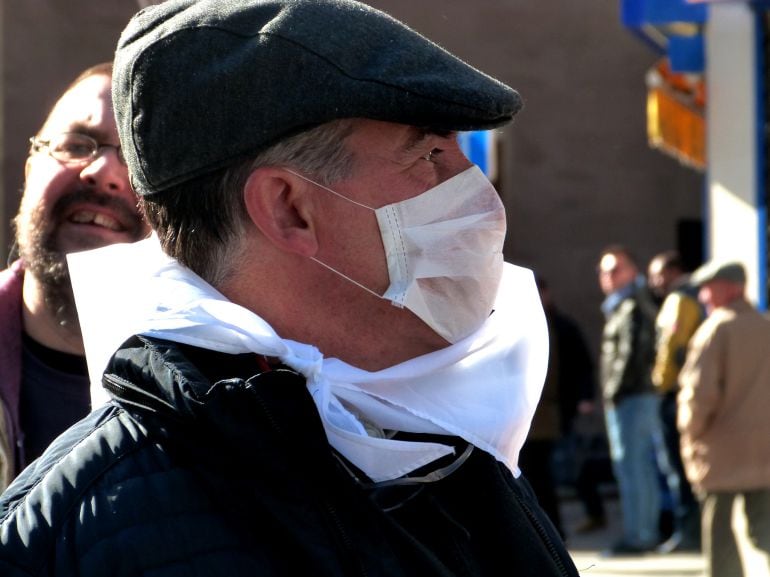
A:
713	270
200	84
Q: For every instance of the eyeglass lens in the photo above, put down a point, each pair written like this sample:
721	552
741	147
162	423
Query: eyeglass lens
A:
75	147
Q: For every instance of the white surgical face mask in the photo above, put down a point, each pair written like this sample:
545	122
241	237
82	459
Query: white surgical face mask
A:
444	250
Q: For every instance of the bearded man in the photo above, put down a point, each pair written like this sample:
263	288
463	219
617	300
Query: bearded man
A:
76	197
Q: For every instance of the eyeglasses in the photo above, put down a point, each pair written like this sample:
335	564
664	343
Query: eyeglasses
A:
73	147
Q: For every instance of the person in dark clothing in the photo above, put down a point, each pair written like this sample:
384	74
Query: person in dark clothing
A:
569	388
577	397
271	412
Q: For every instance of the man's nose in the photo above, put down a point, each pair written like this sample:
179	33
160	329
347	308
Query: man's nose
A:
106	173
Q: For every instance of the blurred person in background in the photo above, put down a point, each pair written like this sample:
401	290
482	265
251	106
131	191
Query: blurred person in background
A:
76	197
630	402
679	316
723	417
569	389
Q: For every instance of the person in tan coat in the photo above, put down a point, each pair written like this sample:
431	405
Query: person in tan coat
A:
723	418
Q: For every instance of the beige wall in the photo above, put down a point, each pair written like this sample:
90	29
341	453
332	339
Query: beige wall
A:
576	170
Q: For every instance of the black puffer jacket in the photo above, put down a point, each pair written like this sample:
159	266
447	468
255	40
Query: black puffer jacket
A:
182	477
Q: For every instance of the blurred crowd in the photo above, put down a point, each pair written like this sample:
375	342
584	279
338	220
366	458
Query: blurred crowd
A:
679	387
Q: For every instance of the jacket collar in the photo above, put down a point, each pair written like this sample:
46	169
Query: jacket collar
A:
614	299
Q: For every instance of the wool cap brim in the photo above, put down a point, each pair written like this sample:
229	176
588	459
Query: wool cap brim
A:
198	85
730	271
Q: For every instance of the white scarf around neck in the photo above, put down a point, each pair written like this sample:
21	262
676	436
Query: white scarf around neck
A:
483	389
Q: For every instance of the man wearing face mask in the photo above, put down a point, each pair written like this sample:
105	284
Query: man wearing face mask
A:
76	197
323	365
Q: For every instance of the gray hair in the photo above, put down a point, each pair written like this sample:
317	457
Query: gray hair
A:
201	221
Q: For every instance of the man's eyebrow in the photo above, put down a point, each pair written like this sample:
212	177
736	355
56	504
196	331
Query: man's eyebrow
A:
95	133
418	135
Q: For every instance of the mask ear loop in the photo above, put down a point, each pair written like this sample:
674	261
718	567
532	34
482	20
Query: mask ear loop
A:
334	270
358	284
334	192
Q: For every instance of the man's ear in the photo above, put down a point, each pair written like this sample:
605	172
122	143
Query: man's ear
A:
278	205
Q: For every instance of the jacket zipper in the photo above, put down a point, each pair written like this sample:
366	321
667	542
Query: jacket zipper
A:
116	385
345	540
337	527
127	392
543	534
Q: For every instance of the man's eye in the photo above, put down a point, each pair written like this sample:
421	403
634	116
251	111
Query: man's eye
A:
74	149
432	156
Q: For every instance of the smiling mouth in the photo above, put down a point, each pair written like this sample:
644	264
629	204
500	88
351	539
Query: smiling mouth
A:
97	219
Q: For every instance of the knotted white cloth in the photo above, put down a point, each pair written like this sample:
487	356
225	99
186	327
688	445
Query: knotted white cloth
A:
483	388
